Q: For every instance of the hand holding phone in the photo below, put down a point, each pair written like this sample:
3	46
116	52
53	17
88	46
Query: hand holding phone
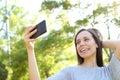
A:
41	29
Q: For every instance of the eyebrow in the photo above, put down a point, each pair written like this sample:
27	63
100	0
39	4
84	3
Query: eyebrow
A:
79	39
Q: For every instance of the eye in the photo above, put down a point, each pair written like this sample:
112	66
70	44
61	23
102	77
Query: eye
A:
78	42
86	39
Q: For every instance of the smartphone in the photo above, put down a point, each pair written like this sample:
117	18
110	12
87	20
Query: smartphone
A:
41	29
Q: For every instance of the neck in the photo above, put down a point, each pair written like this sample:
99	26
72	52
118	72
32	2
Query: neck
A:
89	62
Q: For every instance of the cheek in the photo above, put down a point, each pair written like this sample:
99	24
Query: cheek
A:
93	44
94	48
77	47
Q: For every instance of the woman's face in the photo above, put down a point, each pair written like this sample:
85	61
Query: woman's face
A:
86	45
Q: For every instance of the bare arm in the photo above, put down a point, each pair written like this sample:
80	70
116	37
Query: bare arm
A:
33	68
113	44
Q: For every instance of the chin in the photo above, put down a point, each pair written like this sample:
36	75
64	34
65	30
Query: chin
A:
86	55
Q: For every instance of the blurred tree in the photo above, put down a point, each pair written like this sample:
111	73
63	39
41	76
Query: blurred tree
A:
55	50
3	72
51	48
19	64
16	29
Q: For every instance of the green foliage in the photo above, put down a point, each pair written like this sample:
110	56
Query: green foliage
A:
18	60
17	21
116	21
100	10
47	4
54	51
3	72
66	27
50	5
50	52
82	22
66	4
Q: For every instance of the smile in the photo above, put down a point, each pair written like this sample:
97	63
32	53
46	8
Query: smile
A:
84	49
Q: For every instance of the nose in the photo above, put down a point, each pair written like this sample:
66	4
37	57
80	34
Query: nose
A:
82	43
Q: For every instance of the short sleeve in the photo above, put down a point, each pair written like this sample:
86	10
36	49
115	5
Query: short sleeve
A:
114	68
61	75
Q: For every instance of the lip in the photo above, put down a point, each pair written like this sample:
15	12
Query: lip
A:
84	49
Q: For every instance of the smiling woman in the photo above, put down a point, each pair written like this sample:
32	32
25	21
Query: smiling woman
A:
89	53
87	42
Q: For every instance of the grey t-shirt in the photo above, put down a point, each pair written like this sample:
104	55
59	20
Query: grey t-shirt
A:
109	72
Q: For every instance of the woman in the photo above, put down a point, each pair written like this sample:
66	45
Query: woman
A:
89	44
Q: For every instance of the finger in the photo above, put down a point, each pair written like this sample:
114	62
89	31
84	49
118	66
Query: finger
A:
31	40
29	29
27	36
27	39
32	33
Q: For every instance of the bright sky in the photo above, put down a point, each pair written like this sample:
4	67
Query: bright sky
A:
32	6
35	4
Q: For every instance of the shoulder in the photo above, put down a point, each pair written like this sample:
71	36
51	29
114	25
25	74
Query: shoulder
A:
114	61
64	74
114	68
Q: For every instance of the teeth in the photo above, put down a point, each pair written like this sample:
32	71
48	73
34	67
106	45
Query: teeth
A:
83	49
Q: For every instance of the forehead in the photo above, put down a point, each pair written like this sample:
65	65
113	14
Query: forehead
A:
84	34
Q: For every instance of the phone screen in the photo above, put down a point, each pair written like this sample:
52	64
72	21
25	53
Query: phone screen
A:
41	29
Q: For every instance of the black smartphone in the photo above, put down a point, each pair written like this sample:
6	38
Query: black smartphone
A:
41	29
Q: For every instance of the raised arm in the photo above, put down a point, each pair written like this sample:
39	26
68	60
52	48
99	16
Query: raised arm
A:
33	68
113	44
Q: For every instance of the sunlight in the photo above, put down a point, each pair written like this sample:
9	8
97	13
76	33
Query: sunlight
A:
32	6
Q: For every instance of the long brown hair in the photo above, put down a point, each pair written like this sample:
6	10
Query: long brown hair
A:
98	39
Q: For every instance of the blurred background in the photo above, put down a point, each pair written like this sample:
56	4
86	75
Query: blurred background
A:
54	49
